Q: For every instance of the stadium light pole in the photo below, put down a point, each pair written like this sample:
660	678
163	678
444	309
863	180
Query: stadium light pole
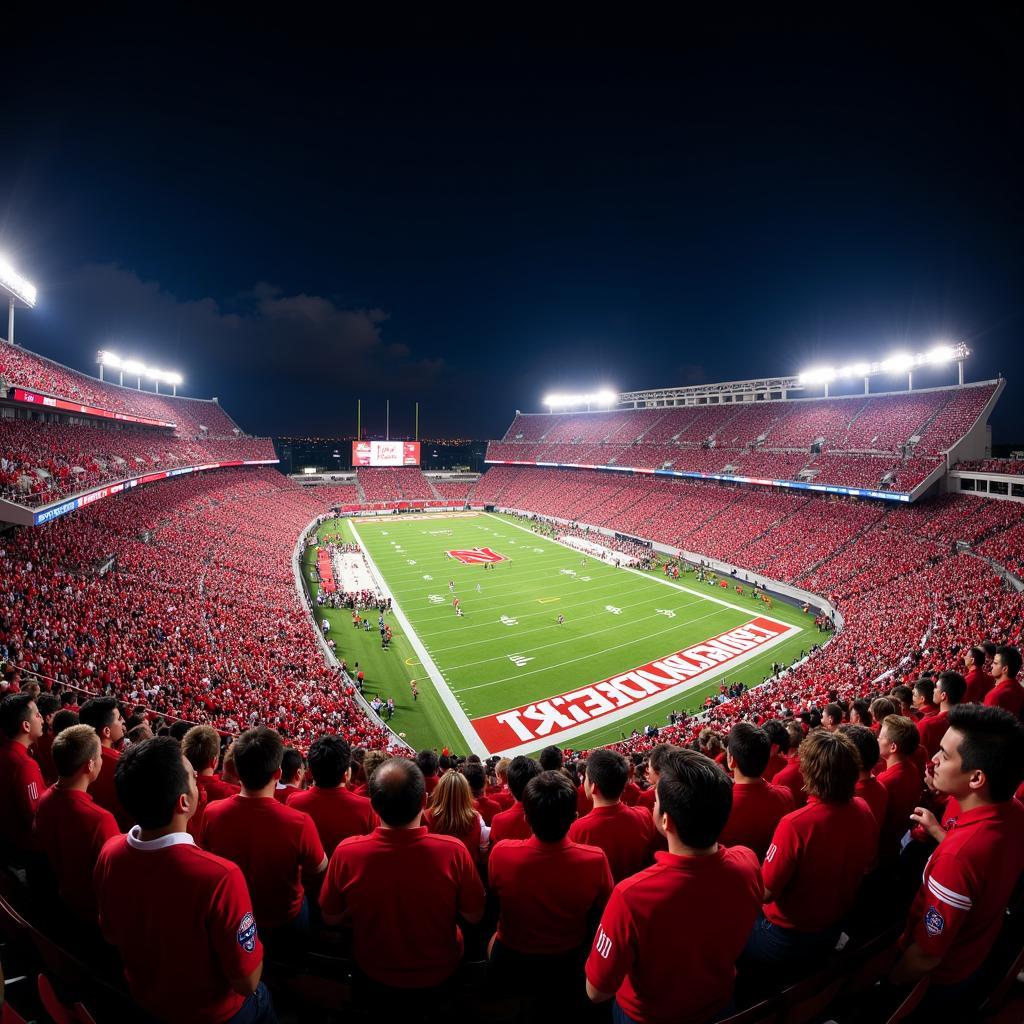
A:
18	289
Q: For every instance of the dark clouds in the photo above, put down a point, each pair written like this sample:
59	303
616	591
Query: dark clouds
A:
261	351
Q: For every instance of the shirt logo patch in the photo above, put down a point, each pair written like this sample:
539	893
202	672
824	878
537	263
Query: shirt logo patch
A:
33	792
934	922
247	933
603	944
770	855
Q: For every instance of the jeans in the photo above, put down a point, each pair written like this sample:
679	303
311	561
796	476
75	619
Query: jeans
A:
769	944
257	1009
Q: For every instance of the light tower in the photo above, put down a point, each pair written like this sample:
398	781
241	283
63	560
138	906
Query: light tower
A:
18	291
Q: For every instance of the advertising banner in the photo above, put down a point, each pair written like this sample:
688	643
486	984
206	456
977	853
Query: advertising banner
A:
385	453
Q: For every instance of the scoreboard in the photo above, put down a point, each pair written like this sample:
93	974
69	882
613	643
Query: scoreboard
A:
385	453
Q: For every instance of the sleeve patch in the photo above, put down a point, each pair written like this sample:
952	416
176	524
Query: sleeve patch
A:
934	922
770	855
603	944
247	933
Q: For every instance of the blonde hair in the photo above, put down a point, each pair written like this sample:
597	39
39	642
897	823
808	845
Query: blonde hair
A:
451	805
501	769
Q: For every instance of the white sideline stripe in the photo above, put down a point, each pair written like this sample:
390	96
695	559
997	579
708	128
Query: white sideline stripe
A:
446	695
670	583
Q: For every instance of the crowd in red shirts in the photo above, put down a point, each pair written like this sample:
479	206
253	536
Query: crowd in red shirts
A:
40	462
395	484
862	439
681	887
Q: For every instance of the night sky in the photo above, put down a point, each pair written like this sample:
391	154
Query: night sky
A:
294	217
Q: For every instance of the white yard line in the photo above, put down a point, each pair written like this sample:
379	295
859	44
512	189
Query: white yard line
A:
450	700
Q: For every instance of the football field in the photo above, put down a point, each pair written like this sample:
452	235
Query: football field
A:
507	676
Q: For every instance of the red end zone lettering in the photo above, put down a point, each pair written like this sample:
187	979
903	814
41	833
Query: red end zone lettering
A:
477	556
546	718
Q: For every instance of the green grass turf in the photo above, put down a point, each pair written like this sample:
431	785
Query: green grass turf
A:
540	580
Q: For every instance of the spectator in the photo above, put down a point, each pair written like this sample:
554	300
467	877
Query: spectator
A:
500	793
815	863
274	845
780	747
104	715
625	834
427	762
201	747
336	811
401	891
791	777
655	758
757	806
217	967
512	824
902	781
654	952
950	689
1007	692
21	781
969	880
48	705
293	774
70	829
832	717
550	891
979	682
550	759
868	788
923	699
477	779
452	812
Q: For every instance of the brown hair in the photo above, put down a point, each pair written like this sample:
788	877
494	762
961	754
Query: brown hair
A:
451	805
201	747
372	760
73	748
882	707
830	765
902	732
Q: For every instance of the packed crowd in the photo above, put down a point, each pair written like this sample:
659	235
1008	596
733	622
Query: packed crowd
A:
405	484
862	439
192	417
803	837
1012	467
40	462
202	622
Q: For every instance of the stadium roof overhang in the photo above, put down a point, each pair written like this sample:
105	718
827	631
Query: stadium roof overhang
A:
759	389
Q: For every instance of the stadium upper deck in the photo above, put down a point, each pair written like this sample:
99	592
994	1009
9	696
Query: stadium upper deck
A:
889	445
67	439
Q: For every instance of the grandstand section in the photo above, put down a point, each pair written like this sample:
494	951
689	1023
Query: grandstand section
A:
895	446
67	439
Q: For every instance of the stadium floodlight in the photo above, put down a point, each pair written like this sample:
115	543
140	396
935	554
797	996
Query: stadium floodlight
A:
819	375
105	358
133	367
18	290
605	397
941	354
898	362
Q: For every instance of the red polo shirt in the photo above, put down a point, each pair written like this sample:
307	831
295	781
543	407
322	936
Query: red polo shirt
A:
630	794
967	884
42	750
757	808
584	805
282	794
979	683
487	807
70	831
502	796
816	862
470	838
1008	694
875	795
546	892
400	892
337	813
775	765
510	824
272	844
647	797
903	783
180	950
656	948
931	730
103	791
216	788
626	834
21	786
792	778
